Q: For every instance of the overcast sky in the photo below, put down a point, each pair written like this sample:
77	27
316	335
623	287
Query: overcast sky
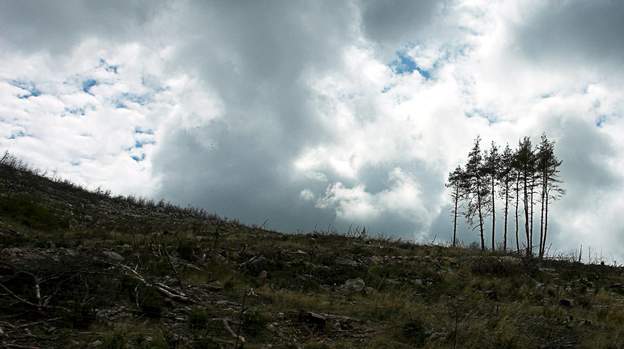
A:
319	113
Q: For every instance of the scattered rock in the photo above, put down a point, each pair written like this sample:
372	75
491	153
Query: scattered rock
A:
353	285
346	262
96	343
317	321
113	255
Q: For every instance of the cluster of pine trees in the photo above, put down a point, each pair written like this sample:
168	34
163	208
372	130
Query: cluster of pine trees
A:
518	179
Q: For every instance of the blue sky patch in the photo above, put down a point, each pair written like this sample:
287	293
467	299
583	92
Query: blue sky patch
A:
87	85
121	100
600	120
139	144
111	68
142	130
28	86
17	134
138	158
405	64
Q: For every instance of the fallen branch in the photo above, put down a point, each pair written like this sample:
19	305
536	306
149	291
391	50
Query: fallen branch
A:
29	303
158	286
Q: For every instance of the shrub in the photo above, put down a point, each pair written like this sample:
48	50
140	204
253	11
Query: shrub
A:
151	302
198	318
415	332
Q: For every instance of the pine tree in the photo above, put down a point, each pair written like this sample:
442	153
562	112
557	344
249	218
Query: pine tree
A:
506	177
455	184
548	168
491	168
525	163
476	188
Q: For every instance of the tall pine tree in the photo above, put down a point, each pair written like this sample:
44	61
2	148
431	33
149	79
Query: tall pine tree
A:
506	178
454	183
491	169
475	183
525	162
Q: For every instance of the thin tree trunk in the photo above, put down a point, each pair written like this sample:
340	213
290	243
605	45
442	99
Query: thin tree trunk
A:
526	214
542	241
455	215
532	209
517	204
480	218
493	214
546	219
506	213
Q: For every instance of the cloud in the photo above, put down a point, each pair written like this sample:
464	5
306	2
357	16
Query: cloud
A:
30	26
573	32
316	114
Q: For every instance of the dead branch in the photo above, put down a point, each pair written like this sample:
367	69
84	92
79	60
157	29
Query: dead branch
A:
158	286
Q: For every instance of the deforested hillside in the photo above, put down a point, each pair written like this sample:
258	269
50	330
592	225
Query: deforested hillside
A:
82	269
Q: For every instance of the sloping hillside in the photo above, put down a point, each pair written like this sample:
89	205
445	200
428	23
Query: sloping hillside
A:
81	269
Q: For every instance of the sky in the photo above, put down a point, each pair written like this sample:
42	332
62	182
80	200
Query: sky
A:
304	115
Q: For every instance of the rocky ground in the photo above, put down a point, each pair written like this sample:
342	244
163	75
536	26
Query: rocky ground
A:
83	269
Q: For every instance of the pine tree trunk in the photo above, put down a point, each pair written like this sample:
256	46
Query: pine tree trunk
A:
493	214
546	220
480	218
455	215
542	241
506	213
531	224
517	204
526	214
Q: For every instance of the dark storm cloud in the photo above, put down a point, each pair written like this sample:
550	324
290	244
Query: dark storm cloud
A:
55	26
395	22
254	56
574	31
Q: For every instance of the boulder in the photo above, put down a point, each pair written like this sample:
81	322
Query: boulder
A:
353	285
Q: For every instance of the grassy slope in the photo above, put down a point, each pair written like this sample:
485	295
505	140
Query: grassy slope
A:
224	279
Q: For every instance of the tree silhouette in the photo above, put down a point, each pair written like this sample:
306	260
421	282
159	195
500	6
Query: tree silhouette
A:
455	183
505	178
491	168
523	172
548	170
525	160
476	188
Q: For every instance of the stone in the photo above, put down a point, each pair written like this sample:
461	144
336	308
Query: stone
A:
346	262
317	321
113	255
354	285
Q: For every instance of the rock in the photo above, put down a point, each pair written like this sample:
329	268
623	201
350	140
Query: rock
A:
256	264
113	255
317	321
565	303
418	282
353	285
346	262
96	343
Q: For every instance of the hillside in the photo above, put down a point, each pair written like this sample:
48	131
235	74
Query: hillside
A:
82	269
